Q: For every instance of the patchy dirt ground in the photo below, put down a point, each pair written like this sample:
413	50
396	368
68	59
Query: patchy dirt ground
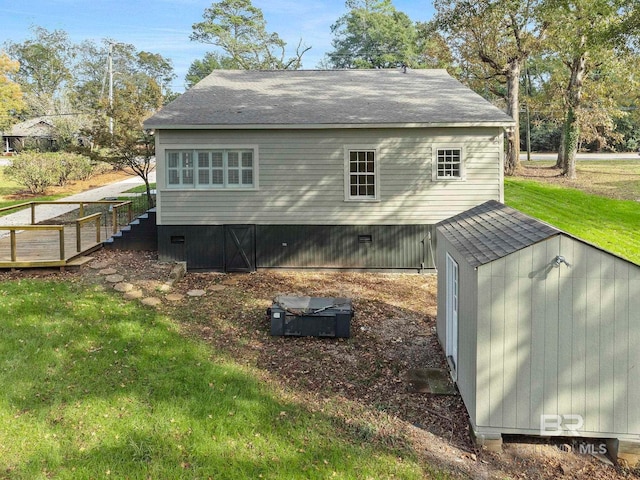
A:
361	381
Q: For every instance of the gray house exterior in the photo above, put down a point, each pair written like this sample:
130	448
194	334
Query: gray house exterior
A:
38	131
321	169
538	347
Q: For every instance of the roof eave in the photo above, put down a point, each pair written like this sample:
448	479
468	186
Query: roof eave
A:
326	126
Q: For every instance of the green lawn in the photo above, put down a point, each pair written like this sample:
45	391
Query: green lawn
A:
97	387
141	188
611	224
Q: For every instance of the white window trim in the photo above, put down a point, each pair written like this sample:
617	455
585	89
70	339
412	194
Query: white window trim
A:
434	163
452	306
201	147
347	173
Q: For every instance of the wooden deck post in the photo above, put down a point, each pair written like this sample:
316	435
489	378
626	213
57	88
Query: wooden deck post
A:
98	228
14	250
78	237
114	219
33	213
62	244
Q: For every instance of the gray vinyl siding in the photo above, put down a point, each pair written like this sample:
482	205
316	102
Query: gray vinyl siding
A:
397	247
331	246
301	177
559	340
200	247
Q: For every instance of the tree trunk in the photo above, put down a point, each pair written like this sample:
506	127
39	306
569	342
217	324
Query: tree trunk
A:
150	201
561	161
572	126
512	155
572	136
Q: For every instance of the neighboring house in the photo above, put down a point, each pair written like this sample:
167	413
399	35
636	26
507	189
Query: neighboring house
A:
38	132
541	329
339	169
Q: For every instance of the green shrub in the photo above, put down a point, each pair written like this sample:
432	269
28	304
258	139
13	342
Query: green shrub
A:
74	167
34	170
38	171
102	167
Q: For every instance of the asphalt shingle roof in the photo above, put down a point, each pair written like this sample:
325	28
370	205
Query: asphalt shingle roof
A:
491	231
35	127
228	98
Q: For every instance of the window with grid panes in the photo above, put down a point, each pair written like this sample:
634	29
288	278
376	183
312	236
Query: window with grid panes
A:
362	174
180	168
228	168
449	163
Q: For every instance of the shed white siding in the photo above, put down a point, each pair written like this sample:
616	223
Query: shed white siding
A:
301	177
558	340
468	332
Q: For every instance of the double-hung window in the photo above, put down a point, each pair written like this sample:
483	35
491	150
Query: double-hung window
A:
211	168
448	163
361	177
180	168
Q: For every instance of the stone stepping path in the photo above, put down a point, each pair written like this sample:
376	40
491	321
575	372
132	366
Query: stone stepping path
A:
117	278
174	297
136	289
123	287
151	301
99	265
133	294
196	293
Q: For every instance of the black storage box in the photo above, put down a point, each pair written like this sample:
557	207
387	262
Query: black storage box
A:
311	316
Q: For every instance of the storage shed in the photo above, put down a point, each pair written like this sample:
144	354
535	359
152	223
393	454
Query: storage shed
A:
541	329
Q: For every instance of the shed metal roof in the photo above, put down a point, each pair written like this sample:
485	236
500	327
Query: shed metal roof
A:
326	99
493	230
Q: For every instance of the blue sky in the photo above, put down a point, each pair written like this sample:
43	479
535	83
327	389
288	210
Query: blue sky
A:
164	26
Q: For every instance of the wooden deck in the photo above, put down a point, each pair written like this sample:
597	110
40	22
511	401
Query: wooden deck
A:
56	245
41	247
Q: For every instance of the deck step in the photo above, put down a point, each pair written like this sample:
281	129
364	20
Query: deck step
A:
140	234
79	261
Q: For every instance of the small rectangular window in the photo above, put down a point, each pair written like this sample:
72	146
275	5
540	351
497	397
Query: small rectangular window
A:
448	163
362	174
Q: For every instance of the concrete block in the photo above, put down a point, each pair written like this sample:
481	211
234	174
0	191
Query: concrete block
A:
626	450
491	442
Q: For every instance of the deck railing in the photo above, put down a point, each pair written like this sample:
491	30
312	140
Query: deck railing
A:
14	243
81	221
115	208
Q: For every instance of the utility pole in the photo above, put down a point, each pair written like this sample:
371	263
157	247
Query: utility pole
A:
110	68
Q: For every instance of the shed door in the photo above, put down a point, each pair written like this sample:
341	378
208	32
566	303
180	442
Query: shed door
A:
452	313
239	248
